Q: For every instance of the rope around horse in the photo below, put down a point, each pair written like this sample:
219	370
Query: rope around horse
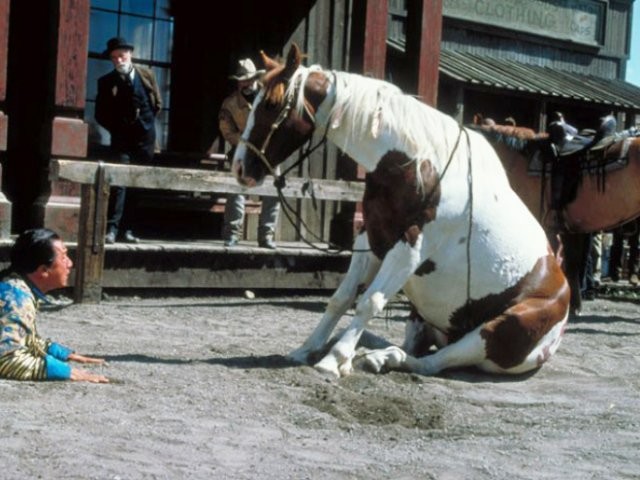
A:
289	211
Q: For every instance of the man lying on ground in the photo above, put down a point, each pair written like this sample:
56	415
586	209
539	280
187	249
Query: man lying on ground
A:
39	264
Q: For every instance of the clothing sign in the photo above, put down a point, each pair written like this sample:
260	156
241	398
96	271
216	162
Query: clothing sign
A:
573	20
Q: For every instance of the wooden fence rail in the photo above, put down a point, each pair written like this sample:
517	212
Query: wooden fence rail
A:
96	179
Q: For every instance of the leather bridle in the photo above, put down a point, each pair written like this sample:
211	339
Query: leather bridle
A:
282	116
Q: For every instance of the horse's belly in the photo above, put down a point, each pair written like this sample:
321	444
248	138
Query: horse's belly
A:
446	287
434	299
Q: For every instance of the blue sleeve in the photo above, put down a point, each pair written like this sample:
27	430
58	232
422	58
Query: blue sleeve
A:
56	369
59	351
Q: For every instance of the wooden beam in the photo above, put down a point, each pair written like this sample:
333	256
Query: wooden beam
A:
424	31
370	38
205	278
4	47
89	262
4	53
97	177
193	180
71	62
375	38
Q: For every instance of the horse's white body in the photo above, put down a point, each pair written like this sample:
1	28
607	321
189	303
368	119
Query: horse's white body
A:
367	119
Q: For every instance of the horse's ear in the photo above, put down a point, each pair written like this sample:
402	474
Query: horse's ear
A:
294	59
269	63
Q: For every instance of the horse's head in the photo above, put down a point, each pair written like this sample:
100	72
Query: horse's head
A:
282	118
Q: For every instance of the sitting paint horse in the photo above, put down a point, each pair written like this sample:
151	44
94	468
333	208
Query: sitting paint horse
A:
441	223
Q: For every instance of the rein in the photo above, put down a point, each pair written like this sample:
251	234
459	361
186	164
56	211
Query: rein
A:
290	212
280	179
470	229
282	116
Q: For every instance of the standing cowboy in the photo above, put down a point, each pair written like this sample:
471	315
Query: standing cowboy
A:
127	104
232	120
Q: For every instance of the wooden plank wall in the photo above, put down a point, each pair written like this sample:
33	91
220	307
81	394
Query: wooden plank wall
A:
604	62
323	36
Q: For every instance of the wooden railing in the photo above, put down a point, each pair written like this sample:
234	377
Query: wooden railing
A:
96	179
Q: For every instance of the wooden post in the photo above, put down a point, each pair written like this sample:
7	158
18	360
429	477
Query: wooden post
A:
369	52
57	209
459	103
5	205
424	31
4	47
542	117
91	232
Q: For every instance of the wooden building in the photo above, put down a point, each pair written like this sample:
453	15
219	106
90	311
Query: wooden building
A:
525	58
519	58
50	60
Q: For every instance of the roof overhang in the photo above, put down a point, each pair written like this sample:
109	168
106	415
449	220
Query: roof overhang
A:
517	77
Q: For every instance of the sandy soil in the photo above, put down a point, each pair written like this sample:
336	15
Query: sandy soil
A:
201	389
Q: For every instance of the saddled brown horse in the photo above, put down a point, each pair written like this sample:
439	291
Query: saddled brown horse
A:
606	197
606	193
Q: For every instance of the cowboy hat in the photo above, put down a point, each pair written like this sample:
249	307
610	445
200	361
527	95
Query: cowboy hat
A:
116	43
246	70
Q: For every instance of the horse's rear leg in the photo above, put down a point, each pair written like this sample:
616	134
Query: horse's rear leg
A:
362	269
472	350
469	350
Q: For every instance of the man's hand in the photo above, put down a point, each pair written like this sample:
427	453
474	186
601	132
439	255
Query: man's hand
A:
78	375
83	359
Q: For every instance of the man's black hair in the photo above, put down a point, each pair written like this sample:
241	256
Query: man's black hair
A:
33	248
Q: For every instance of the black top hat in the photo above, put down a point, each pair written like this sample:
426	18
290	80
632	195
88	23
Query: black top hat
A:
116	43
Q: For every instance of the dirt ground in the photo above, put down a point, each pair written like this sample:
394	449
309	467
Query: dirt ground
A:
201	389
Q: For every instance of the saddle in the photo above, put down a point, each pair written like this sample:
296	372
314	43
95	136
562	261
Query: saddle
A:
604	153
604	150
589	139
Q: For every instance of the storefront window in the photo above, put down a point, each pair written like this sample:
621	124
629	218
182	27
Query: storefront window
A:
147	25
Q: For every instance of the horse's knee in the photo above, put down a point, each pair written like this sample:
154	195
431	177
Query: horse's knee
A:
371	306
338	300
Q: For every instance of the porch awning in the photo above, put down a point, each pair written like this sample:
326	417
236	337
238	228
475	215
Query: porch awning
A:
534	79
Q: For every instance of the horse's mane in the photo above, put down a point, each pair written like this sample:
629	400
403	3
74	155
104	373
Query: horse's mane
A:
368	108
520	139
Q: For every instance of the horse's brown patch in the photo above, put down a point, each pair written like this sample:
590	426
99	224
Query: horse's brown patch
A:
516	319
276	136
395	206
427	267
411	235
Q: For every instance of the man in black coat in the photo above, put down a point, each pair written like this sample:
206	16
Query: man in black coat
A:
127	103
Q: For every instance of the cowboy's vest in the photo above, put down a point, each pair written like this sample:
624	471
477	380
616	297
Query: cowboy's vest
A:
132	100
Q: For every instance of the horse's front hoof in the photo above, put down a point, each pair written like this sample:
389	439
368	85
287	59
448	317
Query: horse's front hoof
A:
329	366
299	356
373	362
